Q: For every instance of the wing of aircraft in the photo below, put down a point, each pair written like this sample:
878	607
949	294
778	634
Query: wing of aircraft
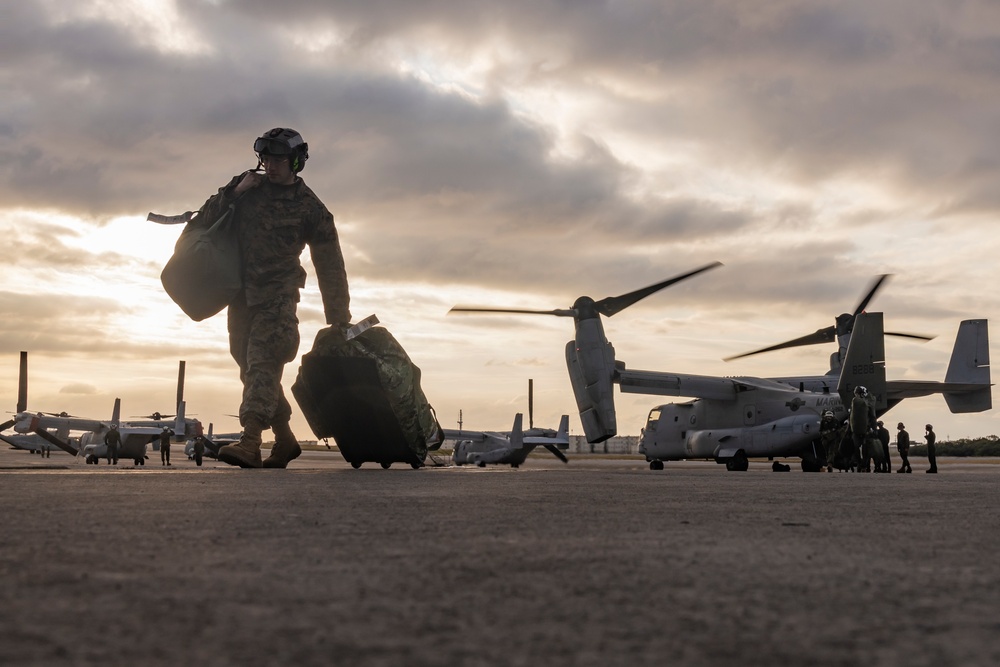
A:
680	384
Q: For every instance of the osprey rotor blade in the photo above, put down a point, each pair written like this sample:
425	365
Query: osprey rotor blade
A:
7	424
901	334
844	324
522	311
876	286
613	305
826	335
608	306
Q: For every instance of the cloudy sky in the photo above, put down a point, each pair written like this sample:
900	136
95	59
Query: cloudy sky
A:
511	154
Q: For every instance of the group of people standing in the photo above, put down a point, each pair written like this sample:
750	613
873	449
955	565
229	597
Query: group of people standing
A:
903	445
863	440
113	443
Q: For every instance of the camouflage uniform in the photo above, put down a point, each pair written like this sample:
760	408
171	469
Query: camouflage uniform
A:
276	223
829	437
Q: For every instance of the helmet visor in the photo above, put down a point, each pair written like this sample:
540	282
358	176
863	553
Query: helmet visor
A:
268	146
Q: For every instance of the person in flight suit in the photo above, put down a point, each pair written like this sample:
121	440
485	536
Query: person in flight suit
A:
278	215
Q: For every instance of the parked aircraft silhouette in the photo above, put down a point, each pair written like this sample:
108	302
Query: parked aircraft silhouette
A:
594	370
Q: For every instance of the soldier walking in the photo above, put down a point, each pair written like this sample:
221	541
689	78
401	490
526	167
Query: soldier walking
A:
278	216
903	445
931	438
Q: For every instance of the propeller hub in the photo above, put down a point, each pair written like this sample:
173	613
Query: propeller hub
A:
586	308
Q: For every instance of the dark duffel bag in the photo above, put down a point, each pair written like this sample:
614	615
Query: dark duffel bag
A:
206	270
365	393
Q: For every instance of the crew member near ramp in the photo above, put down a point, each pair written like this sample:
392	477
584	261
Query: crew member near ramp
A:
278	215
830	436
862	419
113	440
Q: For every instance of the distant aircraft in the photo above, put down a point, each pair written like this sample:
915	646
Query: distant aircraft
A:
32	442
36	444
34	434
182	428
55	428
212	442
482	447
135	439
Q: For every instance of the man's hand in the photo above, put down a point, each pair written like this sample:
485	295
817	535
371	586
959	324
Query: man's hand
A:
251	179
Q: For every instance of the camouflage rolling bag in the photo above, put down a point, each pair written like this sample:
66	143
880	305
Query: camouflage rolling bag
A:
364	392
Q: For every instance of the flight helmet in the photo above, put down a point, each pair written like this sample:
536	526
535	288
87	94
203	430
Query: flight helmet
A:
860	391
283	141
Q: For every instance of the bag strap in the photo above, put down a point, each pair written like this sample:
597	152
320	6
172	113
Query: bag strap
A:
230	210
229	213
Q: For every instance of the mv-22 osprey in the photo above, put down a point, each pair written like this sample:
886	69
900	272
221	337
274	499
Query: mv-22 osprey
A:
54	429
511	448
735	418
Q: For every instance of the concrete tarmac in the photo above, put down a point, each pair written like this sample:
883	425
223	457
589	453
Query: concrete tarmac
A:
598	562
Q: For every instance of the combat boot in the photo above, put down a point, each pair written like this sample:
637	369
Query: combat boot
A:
286	447
246	452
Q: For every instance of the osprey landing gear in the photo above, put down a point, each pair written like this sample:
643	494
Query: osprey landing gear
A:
739	462
656	464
